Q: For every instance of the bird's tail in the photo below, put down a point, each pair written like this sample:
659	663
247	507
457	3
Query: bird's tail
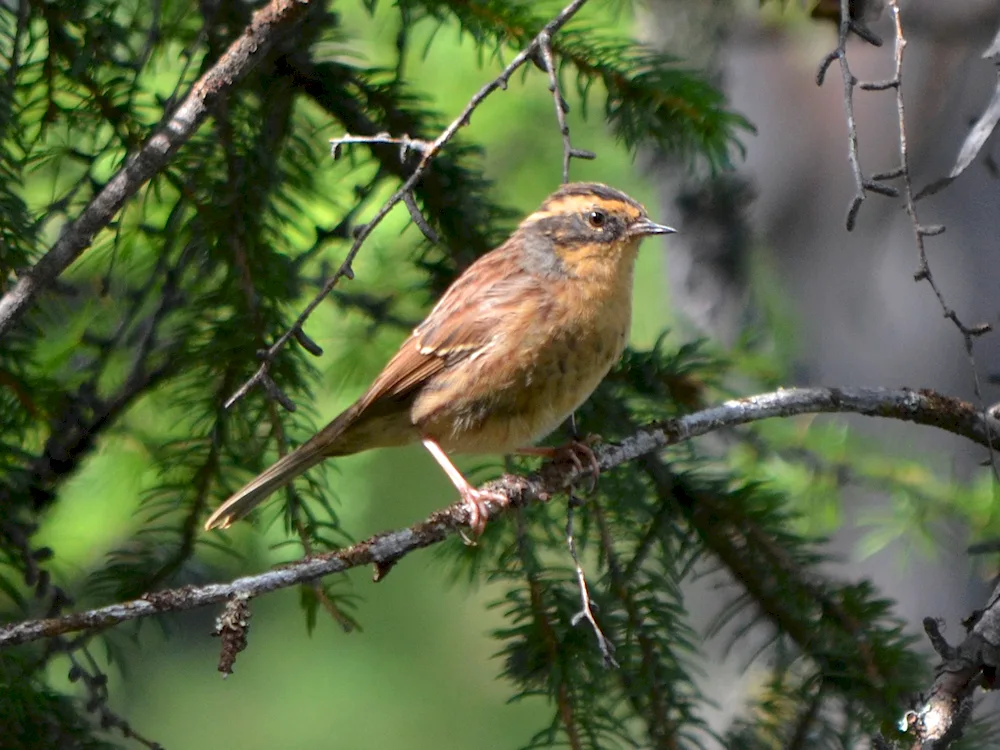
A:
323	444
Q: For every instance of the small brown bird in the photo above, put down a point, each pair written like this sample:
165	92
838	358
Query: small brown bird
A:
515	345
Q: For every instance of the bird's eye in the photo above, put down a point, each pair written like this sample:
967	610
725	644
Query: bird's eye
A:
597	218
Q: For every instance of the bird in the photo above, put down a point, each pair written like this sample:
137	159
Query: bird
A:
513	347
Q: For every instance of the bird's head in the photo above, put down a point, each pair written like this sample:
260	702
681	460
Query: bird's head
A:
585	228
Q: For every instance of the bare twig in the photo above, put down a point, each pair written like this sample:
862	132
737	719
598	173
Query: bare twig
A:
920	231
861	184
545	48
655	714
586	609
920	407
267	25
95	682
428	152
419	220
405	143
875	183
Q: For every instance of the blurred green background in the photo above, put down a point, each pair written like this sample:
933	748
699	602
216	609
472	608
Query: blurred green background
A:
421	674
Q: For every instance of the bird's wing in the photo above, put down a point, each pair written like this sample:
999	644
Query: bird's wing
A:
462	325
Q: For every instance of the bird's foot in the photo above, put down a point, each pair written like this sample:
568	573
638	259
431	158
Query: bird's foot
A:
479	513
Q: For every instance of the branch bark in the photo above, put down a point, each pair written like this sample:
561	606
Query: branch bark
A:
384	550
947	707
268	24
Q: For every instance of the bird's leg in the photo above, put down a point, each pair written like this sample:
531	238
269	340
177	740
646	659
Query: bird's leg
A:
575	451
475	499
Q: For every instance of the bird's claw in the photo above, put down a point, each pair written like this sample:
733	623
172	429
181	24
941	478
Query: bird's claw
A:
579	451
475	501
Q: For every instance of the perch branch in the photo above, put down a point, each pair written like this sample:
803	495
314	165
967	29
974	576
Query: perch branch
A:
382	550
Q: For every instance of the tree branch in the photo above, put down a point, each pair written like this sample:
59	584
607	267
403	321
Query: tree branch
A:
922	231
946	708
382	550
848	25
246	52
428	151
569	152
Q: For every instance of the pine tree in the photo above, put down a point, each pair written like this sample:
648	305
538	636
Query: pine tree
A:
170	308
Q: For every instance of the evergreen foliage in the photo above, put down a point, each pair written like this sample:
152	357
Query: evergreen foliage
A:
164	316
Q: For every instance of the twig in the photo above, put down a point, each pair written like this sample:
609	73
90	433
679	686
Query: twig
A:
428	151
586	609
875	184
405	143
96	684
530	566
920	231
861	184
267	25
545	47
419	220
921	407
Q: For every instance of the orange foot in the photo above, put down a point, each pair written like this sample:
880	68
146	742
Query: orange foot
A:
475	499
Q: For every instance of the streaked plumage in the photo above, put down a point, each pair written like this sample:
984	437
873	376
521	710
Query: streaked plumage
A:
513	347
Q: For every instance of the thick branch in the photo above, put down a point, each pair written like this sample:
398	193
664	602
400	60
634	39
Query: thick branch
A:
921	407
267	25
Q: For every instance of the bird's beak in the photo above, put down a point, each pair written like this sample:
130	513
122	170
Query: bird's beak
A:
644	228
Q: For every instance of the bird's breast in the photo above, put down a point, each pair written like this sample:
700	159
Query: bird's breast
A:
528	381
